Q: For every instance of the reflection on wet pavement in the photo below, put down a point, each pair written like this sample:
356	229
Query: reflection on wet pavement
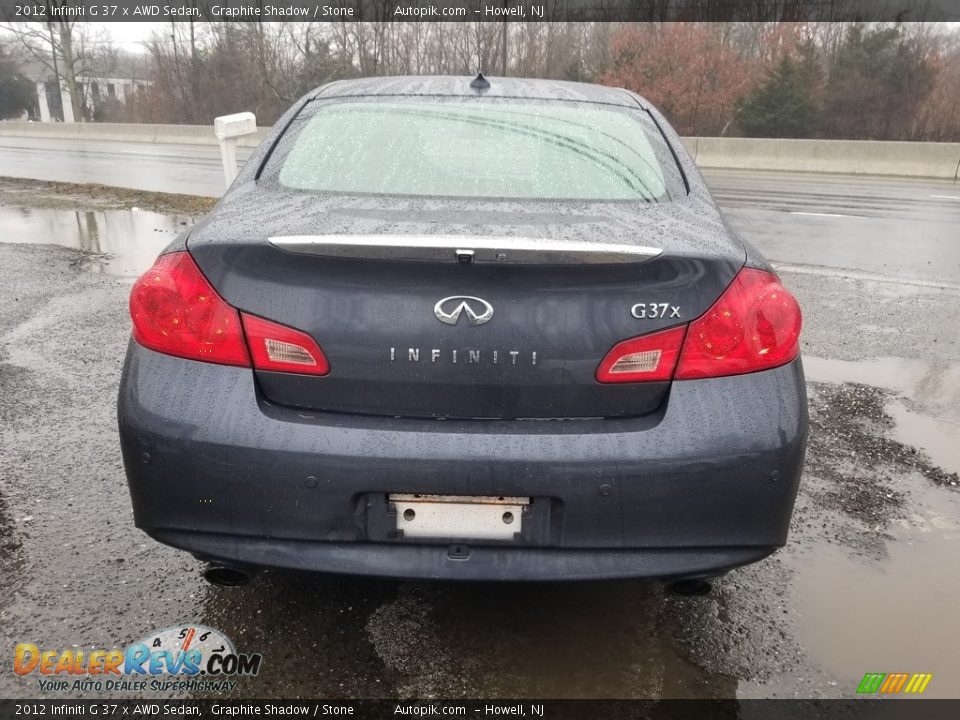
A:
131	239
939	437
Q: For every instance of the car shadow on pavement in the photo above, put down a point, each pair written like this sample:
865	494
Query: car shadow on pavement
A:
334	636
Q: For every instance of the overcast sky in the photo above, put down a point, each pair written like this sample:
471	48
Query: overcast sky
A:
130	35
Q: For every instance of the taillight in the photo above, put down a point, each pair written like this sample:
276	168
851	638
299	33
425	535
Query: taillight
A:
175	311
754	325
647	358
283	349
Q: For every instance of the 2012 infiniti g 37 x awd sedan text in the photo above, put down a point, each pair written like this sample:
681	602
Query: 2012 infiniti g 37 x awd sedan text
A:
454	328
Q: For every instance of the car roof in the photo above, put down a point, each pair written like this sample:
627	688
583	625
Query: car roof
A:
459	86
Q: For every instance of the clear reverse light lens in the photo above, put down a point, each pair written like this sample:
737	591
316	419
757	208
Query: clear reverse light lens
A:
642	362
648	358
284	352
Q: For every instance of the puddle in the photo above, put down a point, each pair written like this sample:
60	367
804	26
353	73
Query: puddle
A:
925	407
894	612
934	384
896	615
937	437
131	239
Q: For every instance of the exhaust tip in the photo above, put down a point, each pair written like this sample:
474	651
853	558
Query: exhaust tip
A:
226	575
691	587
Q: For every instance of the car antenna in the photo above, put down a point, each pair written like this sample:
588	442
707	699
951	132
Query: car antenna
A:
480	82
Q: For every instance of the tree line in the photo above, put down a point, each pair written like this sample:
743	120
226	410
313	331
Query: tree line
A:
763	79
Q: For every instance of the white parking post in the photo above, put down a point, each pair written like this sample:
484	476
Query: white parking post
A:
228	128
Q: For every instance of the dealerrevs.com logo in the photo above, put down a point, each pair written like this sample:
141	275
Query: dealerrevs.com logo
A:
185	658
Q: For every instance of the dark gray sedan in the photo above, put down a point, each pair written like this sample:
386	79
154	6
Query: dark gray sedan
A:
458	328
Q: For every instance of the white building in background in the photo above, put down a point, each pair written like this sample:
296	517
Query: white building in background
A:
99	88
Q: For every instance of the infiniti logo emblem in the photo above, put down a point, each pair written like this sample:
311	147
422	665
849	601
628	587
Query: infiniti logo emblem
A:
449	310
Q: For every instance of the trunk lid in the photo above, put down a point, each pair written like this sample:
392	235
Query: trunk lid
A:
410	329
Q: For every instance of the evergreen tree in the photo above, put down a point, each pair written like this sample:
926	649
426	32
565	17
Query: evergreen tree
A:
878	81
781	106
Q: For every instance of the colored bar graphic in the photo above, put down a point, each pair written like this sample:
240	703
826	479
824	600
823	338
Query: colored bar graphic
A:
893	683
871	682
918	682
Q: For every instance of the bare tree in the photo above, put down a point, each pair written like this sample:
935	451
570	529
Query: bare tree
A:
54	45
699	72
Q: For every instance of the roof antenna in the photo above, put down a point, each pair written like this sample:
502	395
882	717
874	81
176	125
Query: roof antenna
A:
480	82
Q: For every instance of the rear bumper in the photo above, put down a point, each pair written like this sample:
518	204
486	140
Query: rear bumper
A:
482	563
703	485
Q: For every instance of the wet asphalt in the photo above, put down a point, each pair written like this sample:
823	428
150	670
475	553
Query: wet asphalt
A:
868	581
193	169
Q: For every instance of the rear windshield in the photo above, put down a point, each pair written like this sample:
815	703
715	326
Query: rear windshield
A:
476	148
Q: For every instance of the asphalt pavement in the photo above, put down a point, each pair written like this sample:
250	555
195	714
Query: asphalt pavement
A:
867	582
191	169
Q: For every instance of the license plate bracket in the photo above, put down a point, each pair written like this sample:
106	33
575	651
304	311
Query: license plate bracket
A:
458	517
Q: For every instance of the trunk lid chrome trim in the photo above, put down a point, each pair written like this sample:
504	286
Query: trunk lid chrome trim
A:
497	250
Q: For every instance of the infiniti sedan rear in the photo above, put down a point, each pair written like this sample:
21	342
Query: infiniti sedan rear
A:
443	329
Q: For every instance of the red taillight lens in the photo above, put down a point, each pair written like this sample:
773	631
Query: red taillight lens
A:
283	349
754	325
177	312
648	358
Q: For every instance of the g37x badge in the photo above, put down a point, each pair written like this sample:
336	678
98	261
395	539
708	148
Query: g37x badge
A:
655	310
